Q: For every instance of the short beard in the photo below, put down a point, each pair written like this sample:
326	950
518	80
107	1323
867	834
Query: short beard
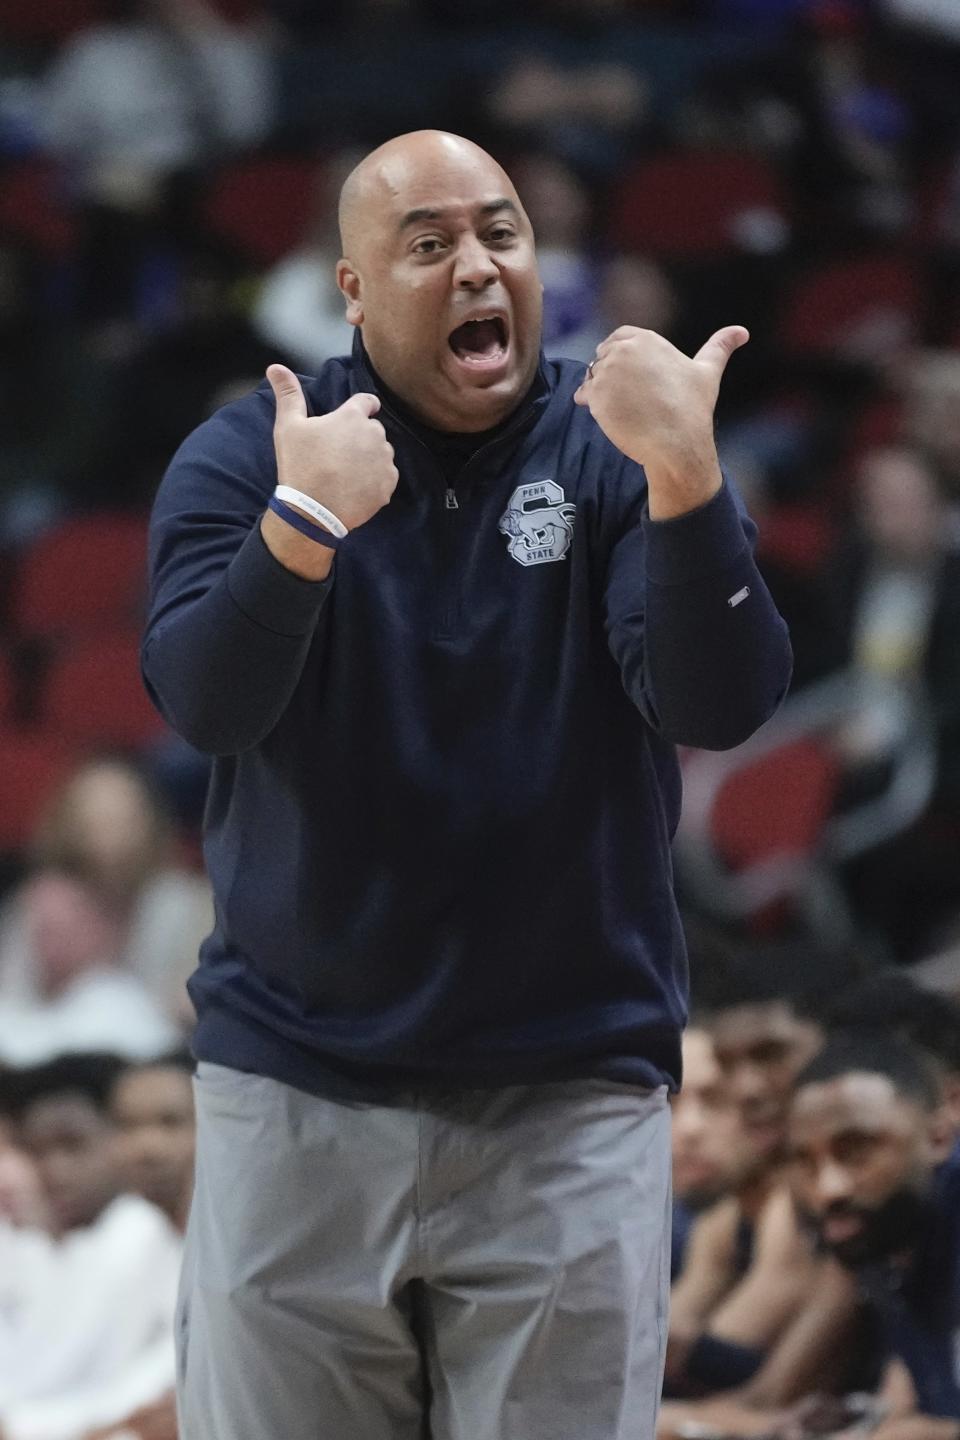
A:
888	1229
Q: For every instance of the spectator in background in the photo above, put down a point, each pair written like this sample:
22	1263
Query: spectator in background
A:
151	1107
872	1171
108	825
81	999
22	1203
891	1002
174	375
762	1043
98	1294
898	584
299	308
134	104
941	17
586	111
631	290
828	102
706	1138
748	1266
559	205
152	1111
155	89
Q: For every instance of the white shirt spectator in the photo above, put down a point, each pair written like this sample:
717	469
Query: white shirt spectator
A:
127	104
940	16
301	310
100	1010
86	1322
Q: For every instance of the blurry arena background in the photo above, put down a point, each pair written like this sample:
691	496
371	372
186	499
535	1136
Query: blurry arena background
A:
168	181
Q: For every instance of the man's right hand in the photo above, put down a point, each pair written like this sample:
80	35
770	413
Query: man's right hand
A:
343	459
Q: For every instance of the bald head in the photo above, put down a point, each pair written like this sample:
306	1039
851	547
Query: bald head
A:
440	275
374	183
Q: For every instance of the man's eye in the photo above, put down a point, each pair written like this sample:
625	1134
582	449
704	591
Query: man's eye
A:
426	247
501	234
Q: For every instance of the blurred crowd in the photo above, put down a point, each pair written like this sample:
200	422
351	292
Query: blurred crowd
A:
168	181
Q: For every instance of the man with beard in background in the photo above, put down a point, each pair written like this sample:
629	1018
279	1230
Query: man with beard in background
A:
872	1169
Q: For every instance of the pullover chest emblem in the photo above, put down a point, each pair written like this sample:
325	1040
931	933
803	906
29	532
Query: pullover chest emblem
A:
538	523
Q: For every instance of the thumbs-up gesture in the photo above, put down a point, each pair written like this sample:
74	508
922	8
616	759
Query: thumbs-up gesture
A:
656	405
342	459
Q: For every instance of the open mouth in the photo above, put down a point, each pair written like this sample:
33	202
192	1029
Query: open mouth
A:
838	1229
481	344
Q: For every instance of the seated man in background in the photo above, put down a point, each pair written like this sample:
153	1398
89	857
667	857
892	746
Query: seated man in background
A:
151	1107
99	1291
21	1195
876	1175
82	998
748	1265
892	1000
707	1144
875	1170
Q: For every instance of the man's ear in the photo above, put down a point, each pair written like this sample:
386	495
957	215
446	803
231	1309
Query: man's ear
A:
349	282
941	1133
951	1096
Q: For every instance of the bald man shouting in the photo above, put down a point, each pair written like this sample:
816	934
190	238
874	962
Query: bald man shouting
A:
441	613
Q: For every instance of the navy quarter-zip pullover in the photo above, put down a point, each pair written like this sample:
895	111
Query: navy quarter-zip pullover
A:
445	786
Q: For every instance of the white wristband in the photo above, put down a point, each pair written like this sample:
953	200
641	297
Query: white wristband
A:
312	507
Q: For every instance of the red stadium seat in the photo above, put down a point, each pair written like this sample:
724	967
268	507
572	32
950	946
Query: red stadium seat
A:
860	307
775	808
93	694
33	208
85	575
32	766
754	825
262	206
695	203
33	20
760	837
798	536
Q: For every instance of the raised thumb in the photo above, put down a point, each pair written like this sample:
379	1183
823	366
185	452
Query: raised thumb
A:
287	391
721	345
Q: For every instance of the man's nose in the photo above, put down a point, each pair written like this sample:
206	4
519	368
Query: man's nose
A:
747	1081
833	1183
475	268
690	1120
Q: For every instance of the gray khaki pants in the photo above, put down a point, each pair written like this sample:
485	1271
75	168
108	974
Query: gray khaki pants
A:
488	1265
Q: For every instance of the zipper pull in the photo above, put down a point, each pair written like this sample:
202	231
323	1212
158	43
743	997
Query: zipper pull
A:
451	501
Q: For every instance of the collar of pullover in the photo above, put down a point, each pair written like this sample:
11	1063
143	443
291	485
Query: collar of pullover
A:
453	449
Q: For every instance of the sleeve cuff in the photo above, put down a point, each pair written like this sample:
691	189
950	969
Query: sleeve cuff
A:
709	538
271	595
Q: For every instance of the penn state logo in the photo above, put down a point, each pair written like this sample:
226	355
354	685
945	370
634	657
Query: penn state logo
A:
538	523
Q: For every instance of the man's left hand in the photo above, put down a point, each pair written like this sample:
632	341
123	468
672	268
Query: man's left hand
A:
656	405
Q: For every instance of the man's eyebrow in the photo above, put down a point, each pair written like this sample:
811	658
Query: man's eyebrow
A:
427	212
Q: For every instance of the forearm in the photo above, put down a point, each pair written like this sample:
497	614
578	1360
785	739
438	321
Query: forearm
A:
919	1427
813	1353
727	1414
759	1308
717	656
223	666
